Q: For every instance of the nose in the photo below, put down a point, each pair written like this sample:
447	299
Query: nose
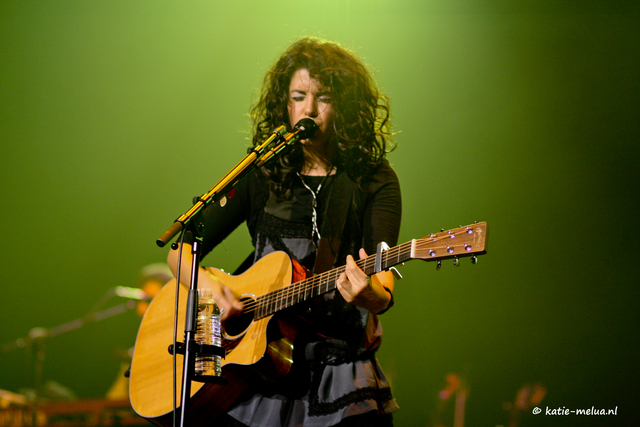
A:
311	109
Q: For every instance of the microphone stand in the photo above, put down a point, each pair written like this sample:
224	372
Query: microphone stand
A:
239	171
255	158
188	367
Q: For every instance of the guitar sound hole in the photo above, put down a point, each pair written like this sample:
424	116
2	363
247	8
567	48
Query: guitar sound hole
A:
236	325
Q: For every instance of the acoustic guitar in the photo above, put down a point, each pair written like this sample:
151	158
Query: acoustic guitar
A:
259	344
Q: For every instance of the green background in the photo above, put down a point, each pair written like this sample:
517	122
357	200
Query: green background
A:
114	114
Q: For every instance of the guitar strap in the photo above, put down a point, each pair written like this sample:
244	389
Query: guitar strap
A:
335	216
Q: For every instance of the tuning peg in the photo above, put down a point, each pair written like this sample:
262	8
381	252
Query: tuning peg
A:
456	262
474	260
438	264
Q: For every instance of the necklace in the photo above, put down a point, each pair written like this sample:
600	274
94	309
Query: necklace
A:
315	232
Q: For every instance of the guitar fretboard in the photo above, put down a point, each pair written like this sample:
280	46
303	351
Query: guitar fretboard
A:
455	243
319	284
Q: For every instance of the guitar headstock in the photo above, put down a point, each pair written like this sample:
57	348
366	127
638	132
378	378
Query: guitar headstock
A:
459	242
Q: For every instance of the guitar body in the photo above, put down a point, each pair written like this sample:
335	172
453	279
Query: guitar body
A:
245	340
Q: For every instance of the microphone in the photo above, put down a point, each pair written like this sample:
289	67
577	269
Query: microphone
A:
304	129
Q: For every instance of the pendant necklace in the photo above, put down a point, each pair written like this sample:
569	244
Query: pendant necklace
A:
314	214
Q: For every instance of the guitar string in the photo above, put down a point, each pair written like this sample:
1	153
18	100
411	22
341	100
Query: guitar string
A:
315	283
279	299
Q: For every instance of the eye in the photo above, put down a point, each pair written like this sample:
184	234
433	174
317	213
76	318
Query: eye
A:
298	98
325	99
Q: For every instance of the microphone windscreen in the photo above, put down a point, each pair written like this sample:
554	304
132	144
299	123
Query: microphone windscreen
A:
307	127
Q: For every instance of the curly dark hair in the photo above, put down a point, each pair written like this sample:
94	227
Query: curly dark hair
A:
361	134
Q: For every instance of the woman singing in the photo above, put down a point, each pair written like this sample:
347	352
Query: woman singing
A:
327	200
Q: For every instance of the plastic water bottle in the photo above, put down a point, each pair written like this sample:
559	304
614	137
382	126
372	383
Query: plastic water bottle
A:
208	331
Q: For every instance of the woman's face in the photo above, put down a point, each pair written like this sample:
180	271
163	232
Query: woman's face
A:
308	99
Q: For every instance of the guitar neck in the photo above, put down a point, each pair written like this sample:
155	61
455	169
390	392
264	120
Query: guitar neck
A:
455	243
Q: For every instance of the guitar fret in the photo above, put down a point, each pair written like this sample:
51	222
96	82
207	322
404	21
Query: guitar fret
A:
327	281
288	298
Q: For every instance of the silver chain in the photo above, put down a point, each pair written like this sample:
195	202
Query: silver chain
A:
314	214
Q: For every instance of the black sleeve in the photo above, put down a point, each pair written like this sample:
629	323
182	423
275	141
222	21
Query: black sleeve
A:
246	199
382	210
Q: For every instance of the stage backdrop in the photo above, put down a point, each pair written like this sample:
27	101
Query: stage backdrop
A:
114	114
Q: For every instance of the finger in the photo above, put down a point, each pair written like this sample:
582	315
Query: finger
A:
226	302
233	305
223	304
351	266
235	302
355	275
344	287
343	281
